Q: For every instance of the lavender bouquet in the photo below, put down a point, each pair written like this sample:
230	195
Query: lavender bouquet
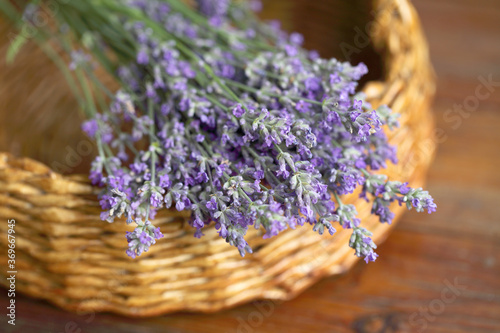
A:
224	116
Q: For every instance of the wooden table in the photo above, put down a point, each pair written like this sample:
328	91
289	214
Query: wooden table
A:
436	273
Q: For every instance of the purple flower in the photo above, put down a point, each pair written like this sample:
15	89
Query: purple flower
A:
184	104
404	189
358	71
186	70
198	233
198	223
313	55
225	139
142	57
416	202
150	91
372	256
180	85
312	83
165	181
179	205
144	238
302	106
215	21
96	178
202	177
335	78
238	111
213	8
259	174
296	38
138	168
291	50
431	206
156	199
131	253
381	208
212	204
157	233
104	216
90	127
165	109
357	104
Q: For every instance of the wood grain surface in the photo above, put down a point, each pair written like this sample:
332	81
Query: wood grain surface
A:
436	273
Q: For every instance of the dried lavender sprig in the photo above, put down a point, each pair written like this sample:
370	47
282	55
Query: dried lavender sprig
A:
219	214
261	145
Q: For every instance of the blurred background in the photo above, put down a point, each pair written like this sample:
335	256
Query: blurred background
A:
436	273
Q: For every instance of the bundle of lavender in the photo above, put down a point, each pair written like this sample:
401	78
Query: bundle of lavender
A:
227	117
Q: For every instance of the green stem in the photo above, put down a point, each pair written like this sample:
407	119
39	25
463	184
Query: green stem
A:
91	108
341	204
152	141
216	102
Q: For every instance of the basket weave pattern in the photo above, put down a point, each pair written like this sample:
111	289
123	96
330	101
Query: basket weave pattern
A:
68	256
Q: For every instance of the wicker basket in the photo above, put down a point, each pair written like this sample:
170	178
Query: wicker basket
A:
65	254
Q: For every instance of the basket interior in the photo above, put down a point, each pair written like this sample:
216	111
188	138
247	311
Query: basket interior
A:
335	28
39	117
